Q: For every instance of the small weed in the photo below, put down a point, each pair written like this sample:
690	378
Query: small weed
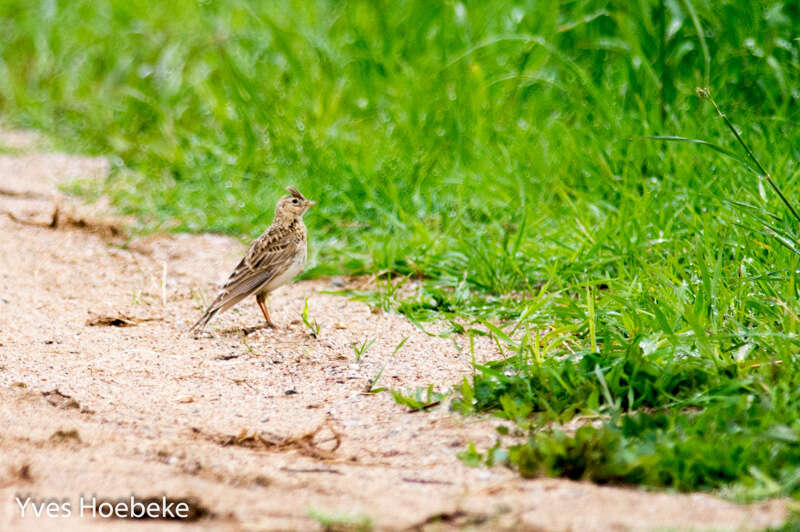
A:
360	350
399	346
341	522
136	297
312	325
416	401
243	337
471	456
495	455
371	384
373	381
200	299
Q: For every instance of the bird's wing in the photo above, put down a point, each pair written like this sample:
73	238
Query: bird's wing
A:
267	257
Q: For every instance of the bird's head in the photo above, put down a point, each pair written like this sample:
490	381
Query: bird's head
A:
293	205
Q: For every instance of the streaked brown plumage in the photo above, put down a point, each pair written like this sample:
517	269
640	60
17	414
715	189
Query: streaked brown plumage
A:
272	260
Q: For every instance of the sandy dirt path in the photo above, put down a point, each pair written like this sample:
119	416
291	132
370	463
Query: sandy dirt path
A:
259	432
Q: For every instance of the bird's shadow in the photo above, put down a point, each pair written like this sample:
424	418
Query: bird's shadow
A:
234	331
246	331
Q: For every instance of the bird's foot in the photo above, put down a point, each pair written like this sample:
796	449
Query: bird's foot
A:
250	330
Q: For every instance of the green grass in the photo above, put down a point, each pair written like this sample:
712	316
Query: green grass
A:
341	522
498	151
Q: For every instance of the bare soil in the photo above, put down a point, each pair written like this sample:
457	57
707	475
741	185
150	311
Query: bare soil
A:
103	392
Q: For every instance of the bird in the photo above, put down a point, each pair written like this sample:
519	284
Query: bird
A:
272	260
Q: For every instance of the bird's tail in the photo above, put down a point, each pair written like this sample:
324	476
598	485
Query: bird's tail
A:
221	303
202	322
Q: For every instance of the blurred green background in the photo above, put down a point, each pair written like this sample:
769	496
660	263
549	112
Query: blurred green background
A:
497	151
415	124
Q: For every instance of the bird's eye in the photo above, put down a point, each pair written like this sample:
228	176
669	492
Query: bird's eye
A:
294	201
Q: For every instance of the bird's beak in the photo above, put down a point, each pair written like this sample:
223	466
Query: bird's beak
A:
311	203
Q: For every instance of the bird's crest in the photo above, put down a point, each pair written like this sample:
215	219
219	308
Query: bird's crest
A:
296	193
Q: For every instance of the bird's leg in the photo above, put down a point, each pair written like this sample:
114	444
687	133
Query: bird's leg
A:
260	300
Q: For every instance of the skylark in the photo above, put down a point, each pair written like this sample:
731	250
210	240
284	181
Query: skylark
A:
272	260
